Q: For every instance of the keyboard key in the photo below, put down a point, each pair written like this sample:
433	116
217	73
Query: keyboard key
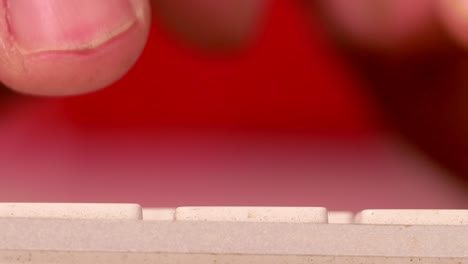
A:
158	214
70	211
413	217
253	214
336	217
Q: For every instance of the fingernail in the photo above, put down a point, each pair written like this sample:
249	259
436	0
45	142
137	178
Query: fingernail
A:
67	25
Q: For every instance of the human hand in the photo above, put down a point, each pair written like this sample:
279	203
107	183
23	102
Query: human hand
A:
205	33
412	53
414	57
57	47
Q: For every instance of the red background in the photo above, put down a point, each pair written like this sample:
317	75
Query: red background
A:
288	79
283	122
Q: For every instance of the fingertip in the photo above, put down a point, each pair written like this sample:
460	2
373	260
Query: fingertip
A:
453	15
211	24
51	47
382	26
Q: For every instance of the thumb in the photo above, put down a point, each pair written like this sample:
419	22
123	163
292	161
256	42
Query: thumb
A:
57	47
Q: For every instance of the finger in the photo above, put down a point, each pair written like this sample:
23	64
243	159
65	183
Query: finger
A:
57	47
211	23
384	25
454	17
423	97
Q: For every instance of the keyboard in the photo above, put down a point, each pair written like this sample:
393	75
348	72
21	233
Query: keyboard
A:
41	233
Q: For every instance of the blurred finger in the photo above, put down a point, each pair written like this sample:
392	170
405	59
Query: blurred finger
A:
384	25
454	16
211	24
421	91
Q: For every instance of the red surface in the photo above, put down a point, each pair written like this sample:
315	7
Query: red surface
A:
289	79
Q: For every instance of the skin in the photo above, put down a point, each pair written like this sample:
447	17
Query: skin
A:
394	44
403	27
86	50
81	57
413	56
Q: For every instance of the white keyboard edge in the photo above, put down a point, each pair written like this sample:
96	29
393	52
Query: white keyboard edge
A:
122	237
243	235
